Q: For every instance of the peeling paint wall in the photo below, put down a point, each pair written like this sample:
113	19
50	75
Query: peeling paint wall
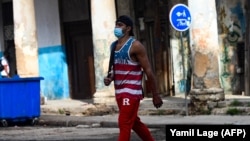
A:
25	38
103	22
177	54
231	25
51	52
230	57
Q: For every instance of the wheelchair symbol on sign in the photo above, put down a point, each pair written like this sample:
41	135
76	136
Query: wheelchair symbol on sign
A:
183	22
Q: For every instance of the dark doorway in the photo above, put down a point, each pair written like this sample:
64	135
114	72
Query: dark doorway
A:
79	50
76	22
9	45
153	31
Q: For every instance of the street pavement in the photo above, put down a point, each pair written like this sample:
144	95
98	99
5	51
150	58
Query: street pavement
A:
77	107
74	120
151	121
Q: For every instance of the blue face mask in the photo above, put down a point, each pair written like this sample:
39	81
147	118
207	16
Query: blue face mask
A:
118	32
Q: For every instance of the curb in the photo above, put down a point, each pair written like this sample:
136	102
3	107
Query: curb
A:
91	121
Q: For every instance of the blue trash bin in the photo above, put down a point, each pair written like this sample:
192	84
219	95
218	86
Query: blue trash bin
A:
20	99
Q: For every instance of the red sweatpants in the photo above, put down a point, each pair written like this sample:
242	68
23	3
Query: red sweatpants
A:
128	119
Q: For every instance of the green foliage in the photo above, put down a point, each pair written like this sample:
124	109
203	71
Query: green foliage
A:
235	103
61	111
205	112
233	111
248	104
160	112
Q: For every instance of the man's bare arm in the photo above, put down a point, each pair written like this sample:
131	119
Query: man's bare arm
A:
139	53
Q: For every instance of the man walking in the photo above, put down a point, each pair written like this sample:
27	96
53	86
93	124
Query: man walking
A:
130	62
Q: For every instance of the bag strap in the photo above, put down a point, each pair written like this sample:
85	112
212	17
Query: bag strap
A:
111	59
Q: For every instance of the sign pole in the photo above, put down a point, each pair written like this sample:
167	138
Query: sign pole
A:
184	72
180	19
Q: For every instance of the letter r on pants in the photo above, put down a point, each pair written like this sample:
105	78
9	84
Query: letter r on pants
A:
125	101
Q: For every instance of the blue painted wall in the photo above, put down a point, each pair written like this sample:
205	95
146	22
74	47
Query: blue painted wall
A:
53	67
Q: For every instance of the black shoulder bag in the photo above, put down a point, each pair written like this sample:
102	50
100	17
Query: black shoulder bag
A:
111	59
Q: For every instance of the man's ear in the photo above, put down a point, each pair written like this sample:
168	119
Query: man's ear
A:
129	29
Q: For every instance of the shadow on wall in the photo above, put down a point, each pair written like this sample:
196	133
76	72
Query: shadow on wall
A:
11	56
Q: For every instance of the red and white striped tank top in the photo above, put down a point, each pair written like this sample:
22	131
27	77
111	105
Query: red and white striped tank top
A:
127	73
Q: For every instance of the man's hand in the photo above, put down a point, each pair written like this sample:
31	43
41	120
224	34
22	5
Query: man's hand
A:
107	81
157	101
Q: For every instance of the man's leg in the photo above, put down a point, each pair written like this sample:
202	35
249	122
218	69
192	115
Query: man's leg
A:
127	114
142	130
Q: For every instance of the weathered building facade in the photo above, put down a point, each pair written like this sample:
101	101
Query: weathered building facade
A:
67	43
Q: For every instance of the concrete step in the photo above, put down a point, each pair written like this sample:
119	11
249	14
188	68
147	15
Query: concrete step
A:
232	107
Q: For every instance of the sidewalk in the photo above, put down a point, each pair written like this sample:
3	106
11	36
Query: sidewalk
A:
151	121
87	107
78	112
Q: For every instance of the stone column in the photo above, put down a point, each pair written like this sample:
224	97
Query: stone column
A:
205	54
25	38
103	16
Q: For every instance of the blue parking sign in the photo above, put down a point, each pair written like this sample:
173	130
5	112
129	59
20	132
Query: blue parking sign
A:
180	17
